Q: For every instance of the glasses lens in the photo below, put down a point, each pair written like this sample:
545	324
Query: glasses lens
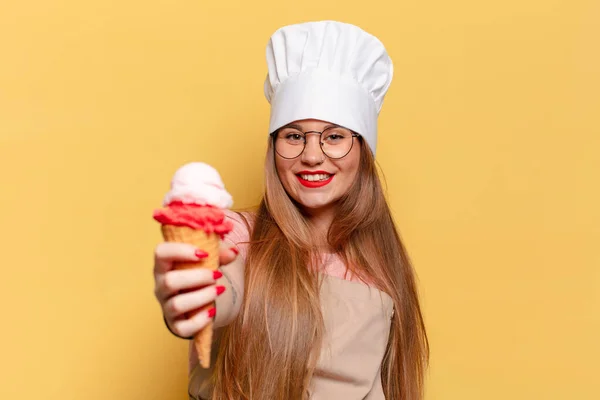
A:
336	142
289	143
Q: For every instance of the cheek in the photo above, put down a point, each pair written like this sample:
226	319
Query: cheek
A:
350	177
351	166
353	174
279	167
283	168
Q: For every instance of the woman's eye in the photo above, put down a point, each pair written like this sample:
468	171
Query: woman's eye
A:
294	136
334	137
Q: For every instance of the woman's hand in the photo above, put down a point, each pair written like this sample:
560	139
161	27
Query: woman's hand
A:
182	291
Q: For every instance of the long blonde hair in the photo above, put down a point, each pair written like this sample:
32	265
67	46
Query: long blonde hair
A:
276	338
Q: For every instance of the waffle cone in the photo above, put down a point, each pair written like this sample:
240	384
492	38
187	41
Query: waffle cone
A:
210	244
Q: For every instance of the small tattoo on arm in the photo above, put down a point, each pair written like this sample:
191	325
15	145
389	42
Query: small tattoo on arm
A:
233	291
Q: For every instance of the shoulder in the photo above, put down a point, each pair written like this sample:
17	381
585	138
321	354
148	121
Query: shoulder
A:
243	221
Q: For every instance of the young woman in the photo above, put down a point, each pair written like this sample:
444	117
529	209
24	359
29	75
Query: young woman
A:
321	302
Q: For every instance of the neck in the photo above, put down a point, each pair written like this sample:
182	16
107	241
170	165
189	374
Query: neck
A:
320	220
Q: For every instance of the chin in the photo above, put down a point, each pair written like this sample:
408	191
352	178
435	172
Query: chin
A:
315	205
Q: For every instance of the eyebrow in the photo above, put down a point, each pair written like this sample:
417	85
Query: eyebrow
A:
299	127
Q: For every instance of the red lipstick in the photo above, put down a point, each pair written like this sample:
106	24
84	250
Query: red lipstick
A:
314	184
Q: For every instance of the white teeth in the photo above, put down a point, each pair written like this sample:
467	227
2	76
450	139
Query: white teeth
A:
315	177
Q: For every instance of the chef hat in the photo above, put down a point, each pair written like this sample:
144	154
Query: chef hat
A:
330	71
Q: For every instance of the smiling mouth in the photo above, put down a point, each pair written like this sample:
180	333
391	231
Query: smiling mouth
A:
314	180
315	177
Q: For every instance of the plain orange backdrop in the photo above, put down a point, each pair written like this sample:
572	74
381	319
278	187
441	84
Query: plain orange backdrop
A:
489	141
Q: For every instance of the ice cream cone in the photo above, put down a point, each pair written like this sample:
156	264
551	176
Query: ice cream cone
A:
193	213
210	244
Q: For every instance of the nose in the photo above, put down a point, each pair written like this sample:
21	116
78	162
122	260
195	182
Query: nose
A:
313	155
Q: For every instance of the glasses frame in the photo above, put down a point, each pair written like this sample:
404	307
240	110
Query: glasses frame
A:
274	136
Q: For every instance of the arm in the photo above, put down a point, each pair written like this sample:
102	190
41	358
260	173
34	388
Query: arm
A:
229	302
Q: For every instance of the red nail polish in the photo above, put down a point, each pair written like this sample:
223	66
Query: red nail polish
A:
235	250
217	275
212	312
220	289
201	254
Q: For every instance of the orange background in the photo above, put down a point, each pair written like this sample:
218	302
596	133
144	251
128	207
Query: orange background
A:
489	140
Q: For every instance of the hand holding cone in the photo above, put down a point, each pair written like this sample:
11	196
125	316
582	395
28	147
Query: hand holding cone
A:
193	214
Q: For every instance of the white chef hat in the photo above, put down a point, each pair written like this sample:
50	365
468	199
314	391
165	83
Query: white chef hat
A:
330	71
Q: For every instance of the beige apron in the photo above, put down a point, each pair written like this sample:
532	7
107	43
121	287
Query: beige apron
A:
357	323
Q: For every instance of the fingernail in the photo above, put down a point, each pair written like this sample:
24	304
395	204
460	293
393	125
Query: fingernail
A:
201	254
212	312
220	289
235	250
217	275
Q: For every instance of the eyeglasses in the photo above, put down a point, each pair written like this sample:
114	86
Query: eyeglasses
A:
336	142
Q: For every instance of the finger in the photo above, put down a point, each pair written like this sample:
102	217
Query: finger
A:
182	303
173	281
165	254
227	253
189	327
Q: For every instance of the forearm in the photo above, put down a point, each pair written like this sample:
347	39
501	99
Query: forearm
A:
228	304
